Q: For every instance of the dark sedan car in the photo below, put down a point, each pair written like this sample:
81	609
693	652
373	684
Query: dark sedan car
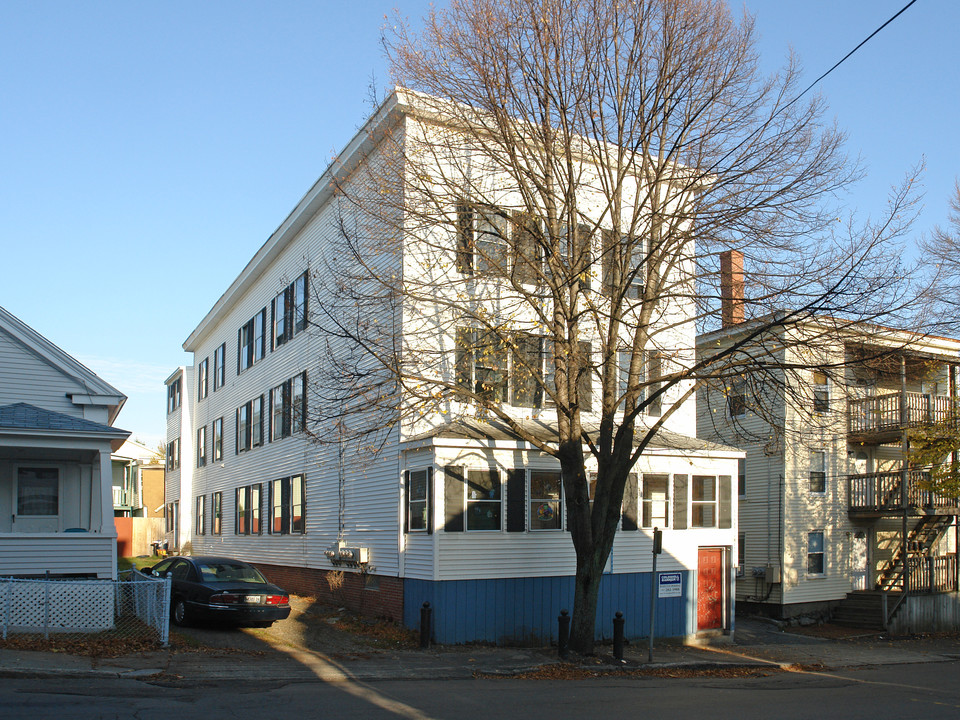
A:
220	589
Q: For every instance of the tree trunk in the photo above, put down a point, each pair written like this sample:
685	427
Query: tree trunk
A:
585	594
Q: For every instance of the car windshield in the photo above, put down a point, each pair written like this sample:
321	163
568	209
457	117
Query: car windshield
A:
229	572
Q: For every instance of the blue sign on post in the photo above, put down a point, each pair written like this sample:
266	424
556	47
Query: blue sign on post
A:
670	584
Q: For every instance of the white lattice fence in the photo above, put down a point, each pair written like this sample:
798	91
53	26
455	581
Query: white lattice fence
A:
135	606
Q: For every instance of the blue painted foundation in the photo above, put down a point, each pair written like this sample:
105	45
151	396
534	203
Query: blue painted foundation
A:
524	610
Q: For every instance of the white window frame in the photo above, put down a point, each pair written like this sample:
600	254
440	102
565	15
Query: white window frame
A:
474	502
200	517
703	504
16	489
821	392
647	504
817	472
203	373
201	446
813	553
219	366
218	439
537	503
419	507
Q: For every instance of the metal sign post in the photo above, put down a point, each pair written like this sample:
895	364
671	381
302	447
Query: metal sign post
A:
657	549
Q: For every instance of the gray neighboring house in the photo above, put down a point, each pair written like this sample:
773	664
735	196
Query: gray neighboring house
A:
56	437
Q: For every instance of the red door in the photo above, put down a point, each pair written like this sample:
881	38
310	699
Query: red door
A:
710	589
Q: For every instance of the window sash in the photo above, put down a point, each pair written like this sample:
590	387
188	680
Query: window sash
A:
297	403
736	399
417	500
256	422
300	304
218	439
491	242
202	373
703	498
484	509
200	518
287	502
217	518
38	492
202	446
219	368
818	474
245	346
546	500
243	428
815	553
655	501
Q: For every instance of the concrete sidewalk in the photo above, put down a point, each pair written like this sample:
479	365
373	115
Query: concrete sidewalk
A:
758	645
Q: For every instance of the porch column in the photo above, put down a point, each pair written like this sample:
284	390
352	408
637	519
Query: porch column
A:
101	503
904	470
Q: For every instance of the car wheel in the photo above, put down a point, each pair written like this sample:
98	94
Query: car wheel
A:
264	624
179	612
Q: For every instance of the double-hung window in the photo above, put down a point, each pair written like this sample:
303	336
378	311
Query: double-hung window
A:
821	392
173	395
650	372
216	526
251	338
737	398
576	252
515	370
818	472
815	565
704	501
173	454
248	510
288	311
655	502
484	500
250	424
201	446
287	506
493	241
546	500
219	372
203	372
218	439
482	364
418	499
288	407
624	264
200	520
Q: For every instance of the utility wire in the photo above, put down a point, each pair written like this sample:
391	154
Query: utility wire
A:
841	60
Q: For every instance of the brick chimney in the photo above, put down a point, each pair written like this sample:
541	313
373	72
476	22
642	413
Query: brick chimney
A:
731	287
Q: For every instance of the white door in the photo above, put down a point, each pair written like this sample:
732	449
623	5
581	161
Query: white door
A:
859	565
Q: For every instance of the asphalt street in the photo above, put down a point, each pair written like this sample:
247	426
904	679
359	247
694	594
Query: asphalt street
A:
874	693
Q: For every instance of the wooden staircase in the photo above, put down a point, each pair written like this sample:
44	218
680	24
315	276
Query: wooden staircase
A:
865	609
920	539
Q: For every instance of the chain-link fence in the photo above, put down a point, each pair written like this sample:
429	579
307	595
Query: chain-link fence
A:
134	608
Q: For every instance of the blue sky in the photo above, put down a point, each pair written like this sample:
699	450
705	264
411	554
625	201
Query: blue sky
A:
147	150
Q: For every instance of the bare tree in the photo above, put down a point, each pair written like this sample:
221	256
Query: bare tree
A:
941	251
546	237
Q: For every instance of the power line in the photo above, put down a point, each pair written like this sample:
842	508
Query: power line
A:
841	60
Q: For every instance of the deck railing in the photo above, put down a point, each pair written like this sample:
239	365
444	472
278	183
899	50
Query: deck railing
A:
872	492
894	411
932	574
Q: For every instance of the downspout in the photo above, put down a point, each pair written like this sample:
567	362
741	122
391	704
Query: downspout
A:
780	539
